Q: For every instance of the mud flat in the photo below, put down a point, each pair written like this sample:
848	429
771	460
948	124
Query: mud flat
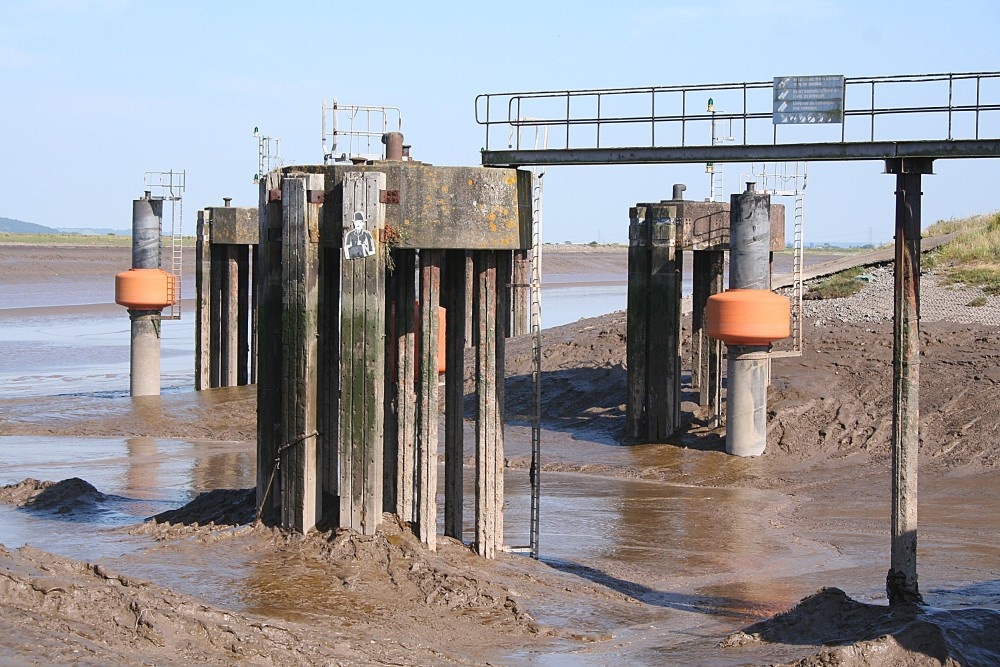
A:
668	553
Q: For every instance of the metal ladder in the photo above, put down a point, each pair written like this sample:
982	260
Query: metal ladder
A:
792	184
170	185
535	295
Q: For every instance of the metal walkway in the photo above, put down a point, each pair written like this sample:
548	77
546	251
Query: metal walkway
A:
952	116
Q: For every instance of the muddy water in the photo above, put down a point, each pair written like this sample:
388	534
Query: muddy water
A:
698	561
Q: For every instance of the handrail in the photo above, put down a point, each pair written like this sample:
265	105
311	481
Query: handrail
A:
522	109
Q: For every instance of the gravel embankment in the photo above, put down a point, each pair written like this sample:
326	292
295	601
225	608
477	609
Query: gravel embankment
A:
873	303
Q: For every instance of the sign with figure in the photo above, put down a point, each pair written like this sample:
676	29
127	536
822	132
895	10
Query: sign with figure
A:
808	99
358	241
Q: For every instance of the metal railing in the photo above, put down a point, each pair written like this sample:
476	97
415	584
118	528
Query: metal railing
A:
667	114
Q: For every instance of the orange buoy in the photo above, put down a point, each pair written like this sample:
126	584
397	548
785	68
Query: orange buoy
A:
145	289
748	317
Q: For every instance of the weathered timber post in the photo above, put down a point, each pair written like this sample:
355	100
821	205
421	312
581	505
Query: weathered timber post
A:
225	353
328	345
362	357
746	371
706	357
427	416
299	460
901	581
519	293
404	280
270	368
637	315
454	301
654	313
492	276
203	303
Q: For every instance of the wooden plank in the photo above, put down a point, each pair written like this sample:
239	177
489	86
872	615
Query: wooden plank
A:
362	352
710	393
637	324
203	300
269	361
300	494
328	399
664	359
390	443
471	301
455	299
242	253
427	416
230	324
254	277
492	276
520	293
406	393
217	349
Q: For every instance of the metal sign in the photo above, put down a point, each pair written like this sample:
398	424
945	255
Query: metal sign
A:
808	99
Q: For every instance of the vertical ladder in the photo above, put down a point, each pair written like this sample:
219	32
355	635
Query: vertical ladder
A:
797	267
170	186
536	355
535	295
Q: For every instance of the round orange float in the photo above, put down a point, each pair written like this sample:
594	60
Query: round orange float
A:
748	317
145	289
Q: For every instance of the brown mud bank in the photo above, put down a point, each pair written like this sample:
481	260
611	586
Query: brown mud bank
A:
691	544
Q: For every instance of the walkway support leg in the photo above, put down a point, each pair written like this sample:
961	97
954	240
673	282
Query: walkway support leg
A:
901	582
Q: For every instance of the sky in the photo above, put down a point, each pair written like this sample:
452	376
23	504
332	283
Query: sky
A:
95	94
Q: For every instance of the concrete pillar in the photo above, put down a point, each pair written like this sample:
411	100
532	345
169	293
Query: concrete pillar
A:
144	376
749	268
144	379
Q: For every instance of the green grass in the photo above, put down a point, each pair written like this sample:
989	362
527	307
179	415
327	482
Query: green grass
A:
106	241
837	286
973	257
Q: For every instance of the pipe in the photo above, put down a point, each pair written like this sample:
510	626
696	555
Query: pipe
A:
749	268
393	145
678	193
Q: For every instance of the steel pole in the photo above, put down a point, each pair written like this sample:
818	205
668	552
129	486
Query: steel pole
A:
901	581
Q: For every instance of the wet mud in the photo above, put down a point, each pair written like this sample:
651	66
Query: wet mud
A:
663	553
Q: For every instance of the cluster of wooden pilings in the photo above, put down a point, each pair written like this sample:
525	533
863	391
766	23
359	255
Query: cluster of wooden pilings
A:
659	235
225	298
354	263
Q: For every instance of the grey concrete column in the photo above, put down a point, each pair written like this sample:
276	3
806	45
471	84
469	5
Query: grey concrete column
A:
749	268
144	379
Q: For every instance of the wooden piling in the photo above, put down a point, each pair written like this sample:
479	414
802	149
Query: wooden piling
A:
706	362
901	581
454	300
203	300
242	257
636	329
405	381
492	275
428	413
270	368
362	358
653	327
328	398
300	495
520	293
230	323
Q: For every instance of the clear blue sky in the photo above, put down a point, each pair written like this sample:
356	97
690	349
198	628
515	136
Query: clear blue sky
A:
95	93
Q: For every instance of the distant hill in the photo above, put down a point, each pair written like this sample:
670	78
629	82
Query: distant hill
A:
21	227
12	226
